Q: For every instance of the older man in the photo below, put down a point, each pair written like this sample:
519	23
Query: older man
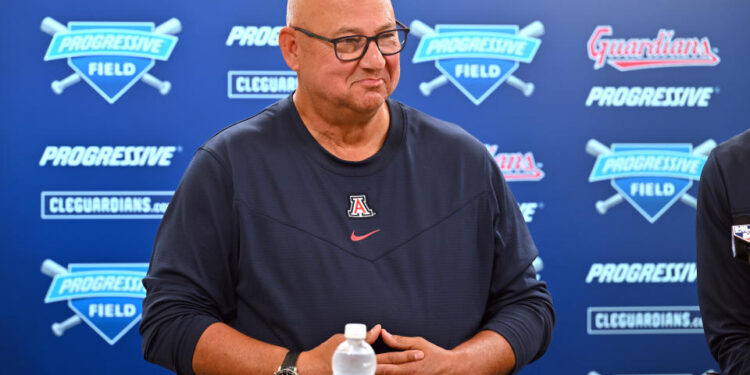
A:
340	205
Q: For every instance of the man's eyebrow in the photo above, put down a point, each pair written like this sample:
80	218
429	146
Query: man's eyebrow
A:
348	30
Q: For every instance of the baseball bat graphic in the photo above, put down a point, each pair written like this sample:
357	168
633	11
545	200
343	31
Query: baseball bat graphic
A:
59	328
532	30
603	206
51	26
702	149
527	88
426	88
420	29
162	86
171	26
689	200
52	269
596	148
59	86
538	264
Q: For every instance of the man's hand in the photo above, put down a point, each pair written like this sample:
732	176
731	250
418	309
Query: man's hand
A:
318	360
418	356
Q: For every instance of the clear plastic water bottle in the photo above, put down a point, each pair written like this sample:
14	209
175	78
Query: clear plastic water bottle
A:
354	356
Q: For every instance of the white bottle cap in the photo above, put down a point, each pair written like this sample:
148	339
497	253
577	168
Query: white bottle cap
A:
355	331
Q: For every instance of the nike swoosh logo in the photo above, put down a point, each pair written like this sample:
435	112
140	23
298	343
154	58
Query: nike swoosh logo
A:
357	238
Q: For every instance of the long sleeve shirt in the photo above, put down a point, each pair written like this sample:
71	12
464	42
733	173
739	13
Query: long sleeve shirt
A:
274	236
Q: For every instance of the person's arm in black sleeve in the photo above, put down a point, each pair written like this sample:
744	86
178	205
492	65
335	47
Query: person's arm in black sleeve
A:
517	325
190	279
520	307
723	282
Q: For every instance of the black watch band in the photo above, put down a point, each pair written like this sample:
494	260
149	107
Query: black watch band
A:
289	365
290	360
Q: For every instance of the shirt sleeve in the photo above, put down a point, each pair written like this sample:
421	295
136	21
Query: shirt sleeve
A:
190	281
520	307
723	281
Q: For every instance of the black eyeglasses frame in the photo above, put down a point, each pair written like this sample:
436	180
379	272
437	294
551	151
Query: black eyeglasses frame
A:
334	41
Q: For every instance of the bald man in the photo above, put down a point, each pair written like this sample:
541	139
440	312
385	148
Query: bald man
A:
337	205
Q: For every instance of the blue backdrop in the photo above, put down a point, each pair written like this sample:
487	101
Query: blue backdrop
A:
104	103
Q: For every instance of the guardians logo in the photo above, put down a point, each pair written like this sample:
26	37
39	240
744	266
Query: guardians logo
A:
111	56
107	296
477	59
650	176
664	51
516	166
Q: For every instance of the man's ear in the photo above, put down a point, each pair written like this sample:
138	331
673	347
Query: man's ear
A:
289	47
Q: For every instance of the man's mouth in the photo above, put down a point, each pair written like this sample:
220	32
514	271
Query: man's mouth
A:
371	82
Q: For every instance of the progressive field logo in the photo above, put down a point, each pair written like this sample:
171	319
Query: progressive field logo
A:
102	205
650	176
664	51
111	56
643	320
477	59
106	296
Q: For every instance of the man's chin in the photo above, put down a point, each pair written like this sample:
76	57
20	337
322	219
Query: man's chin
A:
369	102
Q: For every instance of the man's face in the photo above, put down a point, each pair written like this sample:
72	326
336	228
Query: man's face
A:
361	85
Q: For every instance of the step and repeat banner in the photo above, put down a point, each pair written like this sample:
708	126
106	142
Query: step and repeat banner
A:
600	114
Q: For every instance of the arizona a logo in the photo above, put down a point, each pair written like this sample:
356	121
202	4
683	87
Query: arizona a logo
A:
358	207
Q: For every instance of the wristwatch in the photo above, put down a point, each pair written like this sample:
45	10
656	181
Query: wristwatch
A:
289	366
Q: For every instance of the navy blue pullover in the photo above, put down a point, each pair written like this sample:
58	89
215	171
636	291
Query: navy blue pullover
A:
259	235
723	281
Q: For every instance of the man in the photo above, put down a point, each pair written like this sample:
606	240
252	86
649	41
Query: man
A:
338	205
723	274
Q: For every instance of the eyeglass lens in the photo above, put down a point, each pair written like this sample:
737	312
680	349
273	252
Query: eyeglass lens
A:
389	43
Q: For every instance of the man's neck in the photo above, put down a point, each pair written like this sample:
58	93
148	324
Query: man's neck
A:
348	135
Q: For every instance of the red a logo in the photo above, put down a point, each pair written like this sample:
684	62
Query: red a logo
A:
358	207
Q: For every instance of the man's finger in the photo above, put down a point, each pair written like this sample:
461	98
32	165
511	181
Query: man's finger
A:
396	358
400	342
373	333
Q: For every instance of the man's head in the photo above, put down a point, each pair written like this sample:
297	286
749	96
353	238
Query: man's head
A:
361	85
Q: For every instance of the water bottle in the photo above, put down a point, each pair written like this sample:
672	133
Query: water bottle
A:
354	356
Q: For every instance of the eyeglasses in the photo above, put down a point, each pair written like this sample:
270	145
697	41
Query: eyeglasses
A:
353	47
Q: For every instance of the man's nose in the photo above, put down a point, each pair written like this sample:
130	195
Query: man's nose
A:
372	59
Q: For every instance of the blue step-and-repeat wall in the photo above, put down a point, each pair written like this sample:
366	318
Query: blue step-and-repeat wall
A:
599	113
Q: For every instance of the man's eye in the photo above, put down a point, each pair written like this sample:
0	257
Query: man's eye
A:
350	41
